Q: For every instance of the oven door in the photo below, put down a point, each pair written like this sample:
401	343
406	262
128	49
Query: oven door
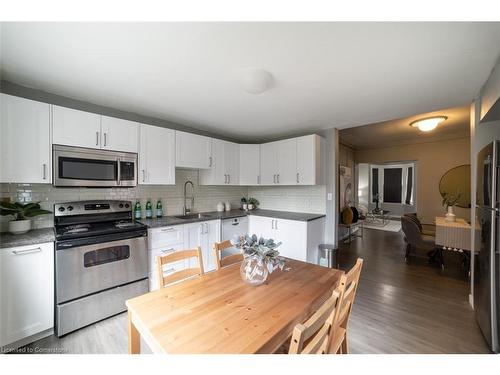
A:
84	270
76	166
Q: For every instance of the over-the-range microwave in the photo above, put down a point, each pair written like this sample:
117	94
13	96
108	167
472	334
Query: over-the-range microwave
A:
85	167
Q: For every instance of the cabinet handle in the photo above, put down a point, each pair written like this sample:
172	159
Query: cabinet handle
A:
272	224
274	179
228	178
105	139
278	178
27	251
168	251
225	178
143	175
168	270
97	138
258	179
297	177
206	225
276	224
210	161
202	231
44	171
167	229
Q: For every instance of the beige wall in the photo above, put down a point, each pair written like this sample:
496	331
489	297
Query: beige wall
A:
433	160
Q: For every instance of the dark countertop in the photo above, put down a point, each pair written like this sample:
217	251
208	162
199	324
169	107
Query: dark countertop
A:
42	235
34	236
214	215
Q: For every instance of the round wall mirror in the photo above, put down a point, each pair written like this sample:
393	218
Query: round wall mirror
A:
457	181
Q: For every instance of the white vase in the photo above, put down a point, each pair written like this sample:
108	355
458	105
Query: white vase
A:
19	226
450	216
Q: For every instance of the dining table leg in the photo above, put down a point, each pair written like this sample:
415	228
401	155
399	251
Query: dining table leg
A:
134	338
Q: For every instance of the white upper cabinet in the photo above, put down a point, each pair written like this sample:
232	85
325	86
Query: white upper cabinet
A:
192	151
119	135
156	156
225	164
295	161
84	129
268	163
490	97
287	162
25	141
310	160
249	165
71	127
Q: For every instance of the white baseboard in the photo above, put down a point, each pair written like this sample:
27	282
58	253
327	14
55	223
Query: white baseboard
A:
471	301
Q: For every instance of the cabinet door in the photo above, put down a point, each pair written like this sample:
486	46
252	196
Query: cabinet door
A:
293	237
211	235
232	162
268	163
25	143
192	150
287	162
193	237
76	128
249	173
217	174
261	226
156	156
26	291
119	135
306	160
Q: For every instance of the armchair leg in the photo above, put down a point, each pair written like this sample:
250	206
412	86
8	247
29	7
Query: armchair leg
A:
407	253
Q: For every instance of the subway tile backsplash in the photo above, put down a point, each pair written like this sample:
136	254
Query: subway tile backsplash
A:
287	198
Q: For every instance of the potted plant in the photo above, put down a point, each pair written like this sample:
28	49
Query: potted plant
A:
260	258
449	200
253	203
22	214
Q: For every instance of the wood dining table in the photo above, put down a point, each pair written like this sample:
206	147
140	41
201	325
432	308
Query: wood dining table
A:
218	312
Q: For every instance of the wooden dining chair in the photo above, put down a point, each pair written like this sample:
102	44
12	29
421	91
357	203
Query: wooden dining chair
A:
347	288
220	261
185	273
314	336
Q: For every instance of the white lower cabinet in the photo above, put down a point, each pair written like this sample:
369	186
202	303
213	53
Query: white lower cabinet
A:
26	291
299	239
203	234
166	240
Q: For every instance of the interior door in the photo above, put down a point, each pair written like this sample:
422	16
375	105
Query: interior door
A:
287	162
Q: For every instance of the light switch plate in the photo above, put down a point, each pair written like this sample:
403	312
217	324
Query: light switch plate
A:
329	196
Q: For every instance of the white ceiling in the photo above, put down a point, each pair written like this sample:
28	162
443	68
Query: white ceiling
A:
325	74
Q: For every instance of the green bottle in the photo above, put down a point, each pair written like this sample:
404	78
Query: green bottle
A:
159	209
149	209
137	210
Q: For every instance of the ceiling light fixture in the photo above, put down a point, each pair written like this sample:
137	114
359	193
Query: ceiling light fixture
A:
429	123
256	81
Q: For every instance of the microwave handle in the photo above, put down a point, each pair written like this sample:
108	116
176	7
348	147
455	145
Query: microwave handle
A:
119	160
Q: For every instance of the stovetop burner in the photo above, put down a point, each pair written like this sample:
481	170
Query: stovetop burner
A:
74	220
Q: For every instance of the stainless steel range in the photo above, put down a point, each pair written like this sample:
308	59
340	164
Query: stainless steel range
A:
101	261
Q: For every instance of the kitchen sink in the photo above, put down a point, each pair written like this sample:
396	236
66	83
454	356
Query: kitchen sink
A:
192	216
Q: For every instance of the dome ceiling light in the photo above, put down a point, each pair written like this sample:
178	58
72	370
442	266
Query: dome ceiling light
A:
256	81
429	123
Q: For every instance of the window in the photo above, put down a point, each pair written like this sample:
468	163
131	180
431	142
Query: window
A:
393	185
374	184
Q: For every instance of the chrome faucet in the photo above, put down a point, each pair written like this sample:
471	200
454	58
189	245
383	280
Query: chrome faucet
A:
188	210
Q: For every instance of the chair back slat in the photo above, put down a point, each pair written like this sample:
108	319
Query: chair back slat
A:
348	287
313	336
163	260
220	261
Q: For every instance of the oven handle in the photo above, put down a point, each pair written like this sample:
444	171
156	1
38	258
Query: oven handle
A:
167	251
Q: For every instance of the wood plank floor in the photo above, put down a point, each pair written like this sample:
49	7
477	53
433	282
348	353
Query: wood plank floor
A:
399	308
408	308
